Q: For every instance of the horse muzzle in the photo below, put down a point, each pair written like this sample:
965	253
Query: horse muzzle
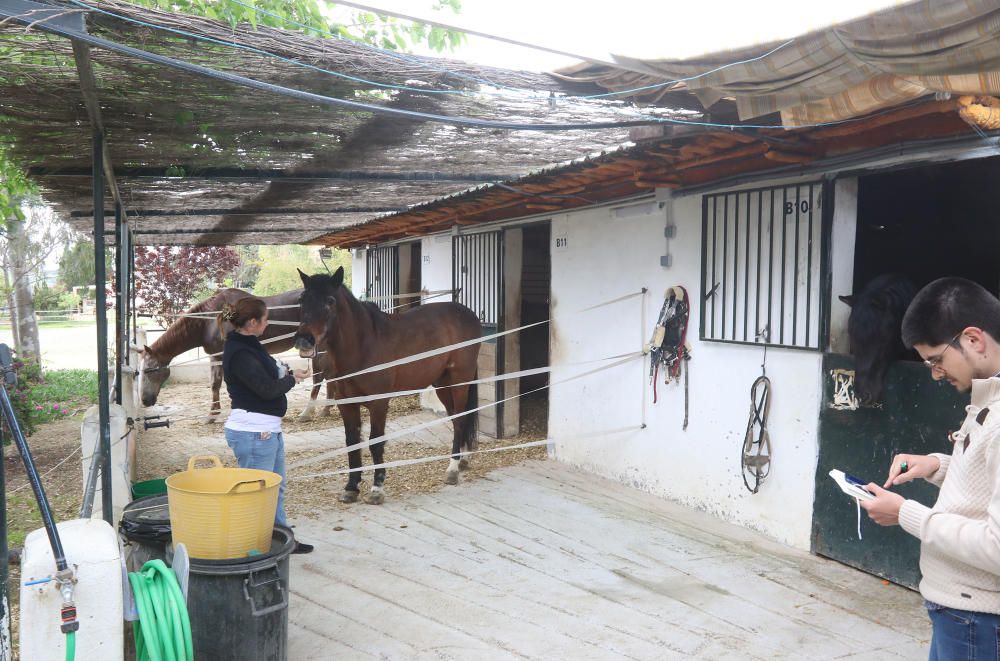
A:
305	344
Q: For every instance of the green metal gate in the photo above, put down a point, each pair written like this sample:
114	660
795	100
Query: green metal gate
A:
916	415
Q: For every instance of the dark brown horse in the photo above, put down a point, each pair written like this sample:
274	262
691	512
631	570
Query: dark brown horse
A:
203	331
358	335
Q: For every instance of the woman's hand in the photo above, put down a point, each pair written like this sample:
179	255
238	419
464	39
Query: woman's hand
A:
301	375
906	467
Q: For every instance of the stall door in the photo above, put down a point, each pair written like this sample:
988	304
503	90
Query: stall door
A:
915	417
383	276
477	265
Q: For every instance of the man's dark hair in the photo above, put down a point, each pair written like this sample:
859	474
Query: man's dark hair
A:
945	307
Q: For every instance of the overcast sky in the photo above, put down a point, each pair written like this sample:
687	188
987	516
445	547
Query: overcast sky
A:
640	28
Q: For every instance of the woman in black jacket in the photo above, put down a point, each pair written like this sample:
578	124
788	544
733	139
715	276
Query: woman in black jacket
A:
257	384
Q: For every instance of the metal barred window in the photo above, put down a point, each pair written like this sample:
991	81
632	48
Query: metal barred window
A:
477	268
763	259
382	270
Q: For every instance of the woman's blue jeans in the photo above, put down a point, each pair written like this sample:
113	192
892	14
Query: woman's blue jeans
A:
268	454
963	635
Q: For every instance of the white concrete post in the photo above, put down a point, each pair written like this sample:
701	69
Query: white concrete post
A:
121	449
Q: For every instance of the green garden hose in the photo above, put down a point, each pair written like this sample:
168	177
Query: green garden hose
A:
70	646
163	631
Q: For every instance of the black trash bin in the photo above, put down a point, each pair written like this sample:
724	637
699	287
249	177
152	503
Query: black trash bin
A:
239	608
145	525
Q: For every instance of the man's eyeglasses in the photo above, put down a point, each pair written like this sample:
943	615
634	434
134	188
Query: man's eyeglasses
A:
935	361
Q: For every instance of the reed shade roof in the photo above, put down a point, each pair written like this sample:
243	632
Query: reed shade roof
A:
203	161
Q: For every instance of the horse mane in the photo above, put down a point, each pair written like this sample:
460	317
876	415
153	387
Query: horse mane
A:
187	329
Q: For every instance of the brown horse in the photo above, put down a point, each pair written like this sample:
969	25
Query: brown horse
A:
190	332
358	335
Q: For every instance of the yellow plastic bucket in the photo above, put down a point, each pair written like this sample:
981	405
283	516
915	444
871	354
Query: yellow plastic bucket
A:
221	513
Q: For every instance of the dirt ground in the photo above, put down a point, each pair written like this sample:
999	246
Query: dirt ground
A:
55	448
160	456
163	451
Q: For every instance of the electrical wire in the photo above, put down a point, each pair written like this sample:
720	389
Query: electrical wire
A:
423	63
413	114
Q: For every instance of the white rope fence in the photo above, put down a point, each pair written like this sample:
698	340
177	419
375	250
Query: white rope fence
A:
489	379
405	393
620	359
208	315
468	453
403	432
459	345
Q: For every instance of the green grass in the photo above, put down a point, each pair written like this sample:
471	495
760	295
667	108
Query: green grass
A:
23	514
56	324
61	393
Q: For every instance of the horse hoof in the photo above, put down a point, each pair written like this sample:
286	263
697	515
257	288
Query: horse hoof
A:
211	420
451	477
305	416
375	497
349	496
463	464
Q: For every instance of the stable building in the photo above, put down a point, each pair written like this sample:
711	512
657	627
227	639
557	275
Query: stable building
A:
824	162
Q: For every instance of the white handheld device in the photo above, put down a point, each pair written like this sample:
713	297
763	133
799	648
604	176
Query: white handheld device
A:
851	485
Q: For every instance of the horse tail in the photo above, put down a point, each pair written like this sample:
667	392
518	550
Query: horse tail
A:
470	431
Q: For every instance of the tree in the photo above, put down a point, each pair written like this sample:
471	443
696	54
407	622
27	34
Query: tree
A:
312	18
24	247
167	279
15	188
278	266
246	273
76	265
334	258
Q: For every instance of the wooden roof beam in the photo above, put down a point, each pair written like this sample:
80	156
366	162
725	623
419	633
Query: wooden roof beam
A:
871	123
88	87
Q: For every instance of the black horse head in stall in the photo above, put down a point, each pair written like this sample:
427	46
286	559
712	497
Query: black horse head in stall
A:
874	331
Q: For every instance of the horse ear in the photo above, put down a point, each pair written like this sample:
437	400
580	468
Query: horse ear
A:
304	277
338	277
145	349
847	299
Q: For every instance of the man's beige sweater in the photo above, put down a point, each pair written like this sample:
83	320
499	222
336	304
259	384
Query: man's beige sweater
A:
960	535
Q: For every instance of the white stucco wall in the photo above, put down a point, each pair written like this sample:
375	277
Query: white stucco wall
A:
359	271
435	267
598	256
845	225
605	257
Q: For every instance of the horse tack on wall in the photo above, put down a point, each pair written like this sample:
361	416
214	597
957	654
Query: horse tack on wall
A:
843	390
199	328
359	336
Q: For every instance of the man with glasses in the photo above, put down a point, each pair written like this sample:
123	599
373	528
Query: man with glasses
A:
954	324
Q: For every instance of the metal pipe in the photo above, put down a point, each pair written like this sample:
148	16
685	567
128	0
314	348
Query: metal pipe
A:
33	479
104	405
90	488
121	343
5	651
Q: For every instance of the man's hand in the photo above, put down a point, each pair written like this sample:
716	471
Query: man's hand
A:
917	466
884	509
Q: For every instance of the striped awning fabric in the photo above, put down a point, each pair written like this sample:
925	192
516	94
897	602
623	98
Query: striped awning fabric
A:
849	69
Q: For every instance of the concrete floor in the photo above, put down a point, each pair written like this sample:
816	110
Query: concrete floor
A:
542	561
